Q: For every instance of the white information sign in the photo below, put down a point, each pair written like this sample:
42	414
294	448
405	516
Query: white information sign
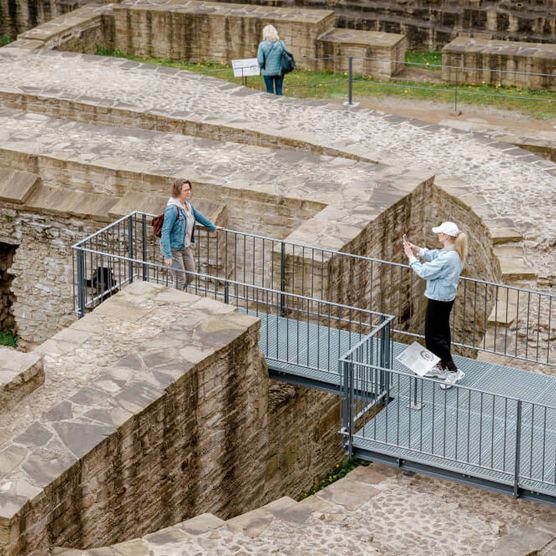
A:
418	359
246	67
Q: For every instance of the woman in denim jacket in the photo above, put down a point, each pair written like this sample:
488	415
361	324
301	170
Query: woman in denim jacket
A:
178	233
269	56
441	270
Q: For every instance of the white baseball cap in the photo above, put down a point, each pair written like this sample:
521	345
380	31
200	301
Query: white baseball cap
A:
448	228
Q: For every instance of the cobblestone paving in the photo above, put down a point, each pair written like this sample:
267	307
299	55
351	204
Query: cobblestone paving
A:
517	185
374	510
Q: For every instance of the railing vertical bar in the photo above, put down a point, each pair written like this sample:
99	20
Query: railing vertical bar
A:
468	422
505	433
457	420
481	429
543	444
531	439
517	449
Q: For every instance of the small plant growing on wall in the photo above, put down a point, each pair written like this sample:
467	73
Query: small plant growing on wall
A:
8	338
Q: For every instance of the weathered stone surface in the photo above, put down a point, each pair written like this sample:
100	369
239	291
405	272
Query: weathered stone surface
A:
376	54
20	374
124	453
401	514
518	64
16	186
523	540
172	30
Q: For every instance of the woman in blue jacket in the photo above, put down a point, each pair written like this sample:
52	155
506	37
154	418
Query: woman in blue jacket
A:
441	270
269	56
178	233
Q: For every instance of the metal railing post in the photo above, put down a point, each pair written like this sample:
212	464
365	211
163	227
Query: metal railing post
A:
80	282
282	279
145	266
517	448
130	247
350	80
348	404
456	91
226	292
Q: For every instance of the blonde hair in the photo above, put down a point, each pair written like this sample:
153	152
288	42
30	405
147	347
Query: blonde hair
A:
270	33
462	247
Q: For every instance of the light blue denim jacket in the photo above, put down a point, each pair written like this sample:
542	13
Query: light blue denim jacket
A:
173	229
441	271
269	55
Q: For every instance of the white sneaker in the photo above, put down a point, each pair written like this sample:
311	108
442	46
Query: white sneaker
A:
437	372
451	379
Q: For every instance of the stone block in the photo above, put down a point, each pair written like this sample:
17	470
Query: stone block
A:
375	54
510	63
20	374
16	186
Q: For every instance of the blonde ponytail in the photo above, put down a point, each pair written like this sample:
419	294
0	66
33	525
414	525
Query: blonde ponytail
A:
462	247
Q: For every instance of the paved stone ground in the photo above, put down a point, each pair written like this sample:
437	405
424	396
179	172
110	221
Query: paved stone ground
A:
518	186
351	192
374	510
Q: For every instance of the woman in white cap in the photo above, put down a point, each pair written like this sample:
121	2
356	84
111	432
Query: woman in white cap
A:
441	270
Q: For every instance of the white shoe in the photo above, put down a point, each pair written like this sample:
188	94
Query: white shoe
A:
451	379
437	372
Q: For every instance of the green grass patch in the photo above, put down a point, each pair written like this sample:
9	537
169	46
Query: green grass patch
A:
339	471
424	60
537	103
5	39
8	338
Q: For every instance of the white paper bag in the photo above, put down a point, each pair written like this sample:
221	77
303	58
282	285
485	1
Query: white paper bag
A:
418	359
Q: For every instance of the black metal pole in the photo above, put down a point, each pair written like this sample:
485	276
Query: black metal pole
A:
145	266
130	247
80	283
350	80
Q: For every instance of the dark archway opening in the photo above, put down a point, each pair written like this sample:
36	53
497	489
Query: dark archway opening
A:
7	297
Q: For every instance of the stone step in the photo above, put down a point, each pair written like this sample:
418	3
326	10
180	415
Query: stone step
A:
505	311
20	374
17	186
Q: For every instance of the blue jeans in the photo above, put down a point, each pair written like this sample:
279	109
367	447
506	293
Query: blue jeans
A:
274	84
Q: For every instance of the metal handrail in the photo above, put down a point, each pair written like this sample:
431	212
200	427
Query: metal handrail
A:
529	308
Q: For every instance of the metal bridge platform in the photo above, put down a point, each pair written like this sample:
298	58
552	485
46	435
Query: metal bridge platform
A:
468	434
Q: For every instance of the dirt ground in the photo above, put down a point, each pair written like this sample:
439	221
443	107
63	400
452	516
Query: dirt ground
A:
439	113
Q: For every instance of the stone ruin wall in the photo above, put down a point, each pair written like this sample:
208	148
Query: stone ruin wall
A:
392	290
220	437
41	288
430	24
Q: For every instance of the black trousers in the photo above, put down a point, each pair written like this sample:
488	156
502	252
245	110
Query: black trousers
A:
437	331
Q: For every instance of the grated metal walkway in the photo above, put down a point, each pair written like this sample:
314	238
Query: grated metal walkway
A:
467	433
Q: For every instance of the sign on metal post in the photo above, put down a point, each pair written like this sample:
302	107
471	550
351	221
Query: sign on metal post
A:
246	67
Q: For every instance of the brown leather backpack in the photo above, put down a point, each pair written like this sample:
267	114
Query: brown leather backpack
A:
157	223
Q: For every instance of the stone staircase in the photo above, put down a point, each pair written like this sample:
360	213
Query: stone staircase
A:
373	510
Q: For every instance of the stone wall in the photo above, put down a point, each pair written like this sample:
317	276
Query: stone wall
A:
81	30
397	290
430	24
517	64
201	31
17	16
42	287
149	428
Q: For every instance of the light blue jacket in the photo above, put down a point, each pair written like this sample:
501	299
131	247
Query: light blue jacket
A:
173	228
269	56
441	271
